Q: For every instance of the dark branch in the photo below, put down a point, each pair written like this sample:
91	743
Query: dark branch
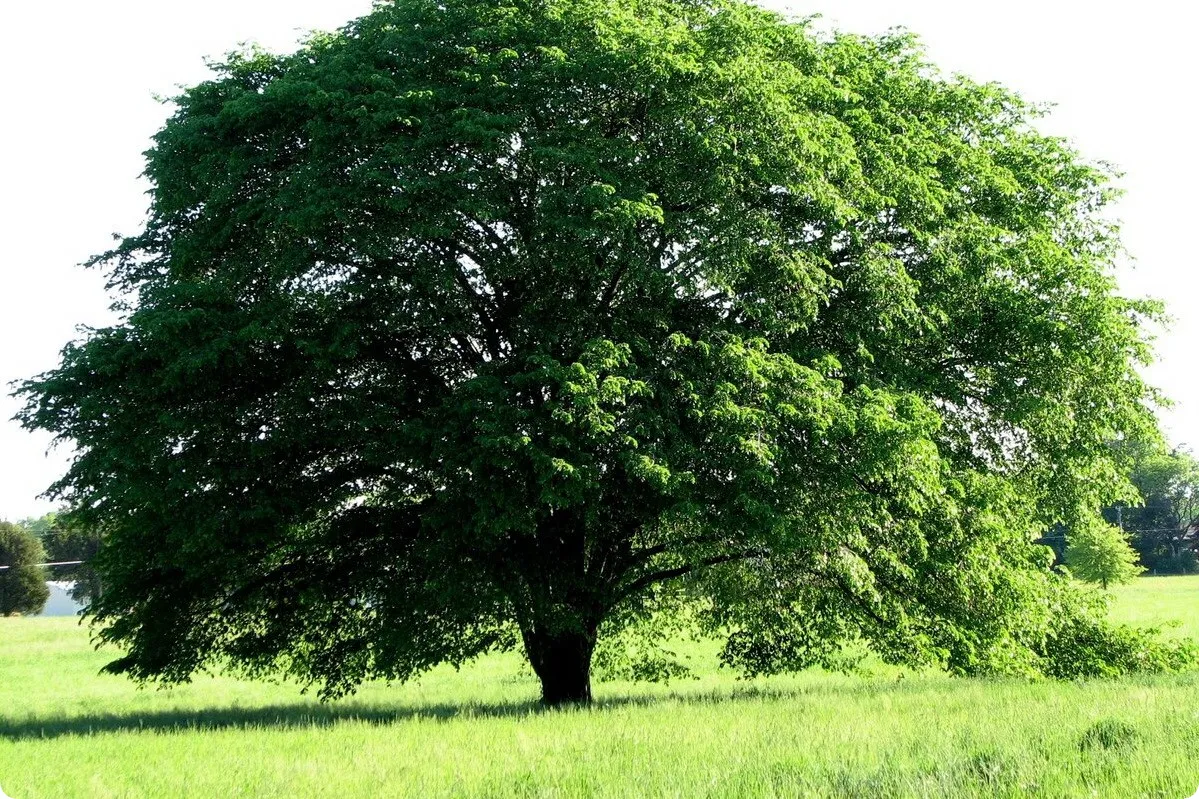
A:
643	555
679	571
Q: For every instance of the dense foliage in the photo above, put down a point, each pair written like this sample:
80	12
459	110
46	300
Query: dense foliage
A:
479	325
23	586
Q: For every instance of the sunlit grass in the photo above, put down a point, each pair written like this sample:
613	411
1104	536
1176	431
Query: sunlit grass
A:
66	731
1171	603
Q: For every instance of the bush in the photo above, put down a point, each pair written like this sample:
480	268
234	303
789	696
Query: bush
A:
1084	647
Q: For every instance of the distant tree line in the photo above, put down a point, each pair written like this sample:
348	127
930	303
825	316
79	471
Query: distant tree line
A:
1159	533
66	542
1164	528
31	542
27	544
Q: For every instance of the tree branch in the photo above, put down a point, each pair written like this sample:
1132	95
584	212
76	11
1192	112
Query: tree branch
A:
642	555
490	331
839	583
679	571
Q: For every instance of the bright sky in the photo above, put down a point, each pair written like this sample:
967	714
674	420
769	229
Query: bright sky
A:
79	79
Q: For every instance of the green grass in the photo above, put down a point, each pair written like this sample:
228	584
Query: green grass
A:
66	731
1171	603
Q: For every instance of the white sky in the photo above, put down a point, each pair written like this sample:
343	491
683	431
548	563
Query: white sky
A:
77	82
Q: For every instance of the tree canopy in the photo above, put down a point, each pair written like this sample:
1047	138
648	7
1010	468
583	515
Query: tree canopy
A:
23	586
1100	553
480	325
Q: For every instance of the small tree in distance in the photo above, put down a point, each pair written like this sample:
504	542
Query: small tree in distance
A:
1100	553
484	325
23	586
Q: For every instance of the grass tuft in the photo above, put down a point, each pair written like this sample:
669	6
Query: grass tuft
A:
1109	734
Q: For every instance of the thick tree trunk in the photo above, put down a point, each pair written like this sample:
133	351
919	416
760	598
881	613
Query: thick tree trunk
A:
562	661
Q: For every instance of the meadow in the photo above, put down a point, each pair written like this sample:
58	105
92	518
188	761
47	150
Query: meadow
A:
66	731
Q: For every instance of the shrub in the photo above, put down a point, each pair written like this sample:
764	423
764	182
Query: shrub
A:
1091	647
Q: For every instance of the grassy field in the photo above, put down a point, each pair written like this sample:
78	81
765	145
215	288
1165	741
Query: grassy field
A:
1171	603
67	732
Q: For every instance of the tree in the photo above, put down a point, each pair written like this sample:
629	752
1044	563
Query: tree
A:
1164	523
475	326
66	543
23	586
40	525
1100	553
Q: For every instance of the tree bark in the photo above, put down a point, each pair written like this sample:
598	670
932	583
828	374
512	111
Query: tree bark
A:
562	661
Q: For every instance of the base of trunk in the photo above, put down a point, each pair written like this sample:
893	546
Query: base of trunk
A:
562	661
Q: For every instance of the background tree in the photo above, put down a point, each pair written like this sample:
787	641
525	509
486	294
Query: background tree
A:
40	525
65	542
1164	525
23	586
1100	553
479	325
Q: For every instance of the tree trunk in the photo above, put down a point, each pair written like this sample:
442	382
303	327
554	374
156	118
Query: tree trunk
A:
562	661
